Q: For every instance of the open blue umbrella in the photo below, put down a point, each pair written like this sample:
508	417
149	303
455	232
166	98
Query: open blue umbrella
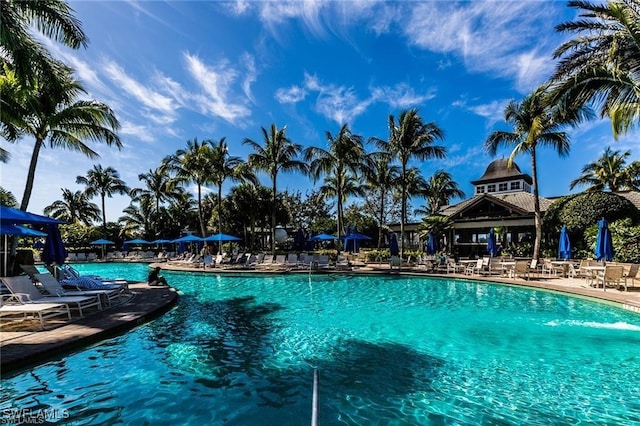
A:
54	250
221	237
101	242
355	237
432	244
323	237
394	250
160	241
492	246
15	216
564	246
23	231
188	239
604	244
137	241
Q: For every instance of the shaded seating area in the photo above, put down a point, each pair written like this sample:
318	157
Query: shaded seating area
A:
13	309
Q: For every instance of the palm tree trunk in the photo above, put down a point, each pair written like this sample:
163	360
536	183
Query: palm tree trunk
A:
382	195
104	217
220	208
273	218
403	208
536	206
28	187
202	227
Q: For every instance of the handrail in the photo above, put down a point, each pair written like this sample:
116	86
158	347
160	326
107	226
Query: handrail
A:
314	403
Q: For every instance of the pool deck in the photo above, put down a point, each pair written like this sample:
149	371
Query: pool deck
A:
21	349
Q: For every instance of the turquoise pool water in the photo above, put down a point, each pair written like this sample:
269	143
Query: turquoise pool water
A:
390	350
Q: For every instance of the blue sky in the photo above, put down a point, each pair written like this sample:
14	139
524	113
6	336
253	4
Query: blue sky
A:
177	70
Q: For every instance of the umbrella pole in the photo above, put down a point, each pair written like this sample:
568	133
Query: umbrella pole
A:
6	248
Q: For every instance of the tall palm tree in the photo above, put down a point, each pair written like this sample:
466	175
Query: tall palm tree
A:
159	186
535	124
410	137
105	183
59	118
74	207
438	191
341	186
609	172
193	165
53	18
225	166
344	160
278	154
602	63
381	177
136	220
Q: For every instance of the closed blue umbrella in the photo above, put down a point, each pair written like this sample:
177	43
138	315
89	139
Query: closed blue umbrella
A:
604	243
564	246
394	250
492	246
54	250
432	244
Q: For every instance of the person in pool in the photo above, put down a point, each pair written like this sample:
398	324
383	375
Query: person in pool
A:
155	278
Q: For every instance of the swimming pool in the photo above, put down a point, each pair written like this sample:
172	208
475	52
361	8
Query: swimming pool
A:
389	349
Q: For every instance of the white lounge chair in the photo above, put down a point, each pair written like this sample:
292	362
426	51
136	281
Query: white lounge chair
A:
27	292
54	288
10	306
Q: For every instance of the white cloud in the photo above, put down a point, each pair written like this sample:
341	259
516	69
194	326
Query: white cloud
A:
290	95
488	36
250	76
401	95
216	84
139	131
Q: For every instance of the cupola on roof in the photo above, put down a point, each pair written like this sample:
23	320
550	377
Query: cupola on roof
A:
499	170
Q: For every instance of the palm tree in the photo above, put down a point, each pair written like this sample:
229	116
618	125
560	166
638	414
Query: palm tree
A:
7	198
278	154
53	18
409	138
193	165
343	161
58	117
225	166
535	123
159	186
381	178
103	182
602	63
609	172
137	218
341	187
438	191
74	207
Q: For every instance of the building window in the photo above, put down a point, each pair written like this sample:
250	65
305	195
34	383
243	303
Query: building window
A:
502	187
491	188
515	185
479	189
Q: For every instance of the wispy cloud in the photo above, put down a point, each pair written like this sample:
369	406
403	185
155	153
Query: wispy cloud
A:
290	95
492	111
401	95
488	36
216	98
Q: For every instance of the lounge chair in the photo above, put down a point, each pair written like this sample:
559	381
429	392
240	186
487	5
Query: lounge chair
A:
395	262
54	288
10	306
632	275
323	261
27	292
342	263
292	260
611	276
266	262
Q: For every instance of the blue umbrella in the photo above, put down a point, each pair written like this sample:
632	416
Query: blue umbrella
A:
604	244
492	247
355	237
323	237
432	244
137	241
101	242
220	237
393	245
564	246
54	250
188	239
8	229
15	216
160	241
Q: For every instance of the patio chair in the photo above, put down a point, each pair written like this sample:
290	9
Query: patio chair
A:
522	268
292	260
323	261
395	262
54	288
611	276
342	263
267	261
11	306
474	268
27	292
632	275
